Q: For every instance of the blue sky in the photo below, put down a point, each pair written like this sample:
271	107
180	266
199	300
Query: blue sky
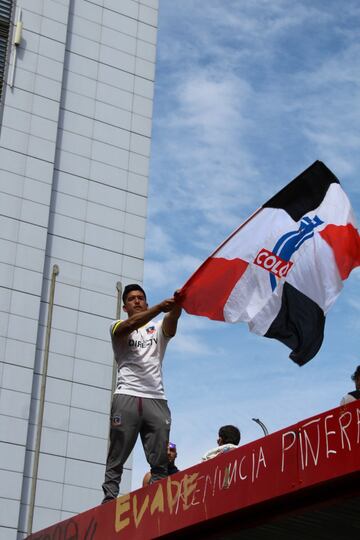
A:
248	94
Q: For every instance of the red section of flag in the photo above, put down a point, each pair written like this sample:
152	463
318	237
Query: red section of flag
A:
207	290
344	240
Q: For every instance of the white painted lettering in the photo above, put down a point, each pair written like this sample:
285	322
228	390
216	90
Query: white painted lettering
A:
308	444
232	474
286	448
253	467
261	459
301	449
195	502
343	427
327	434
214	483
207	481
240	469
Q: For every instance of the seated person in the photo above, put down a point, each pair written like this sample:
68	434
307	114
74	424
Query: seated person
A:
352	396
172	469
229	438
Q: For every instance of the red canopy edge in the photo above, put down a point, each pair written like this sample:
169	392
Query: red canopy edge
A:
317	454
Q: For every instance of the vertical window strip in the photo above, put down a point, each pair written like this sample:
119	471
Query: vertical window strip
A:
5	22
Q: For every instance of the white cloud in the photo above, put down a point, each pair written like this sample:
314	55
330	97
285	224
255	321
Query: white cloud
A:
170	271
211	106
354	303
221	106
158	241
211	168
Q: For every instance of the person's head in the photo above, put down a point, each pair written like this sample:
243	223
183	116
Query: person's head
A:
229	435
171	452
356	378
134	299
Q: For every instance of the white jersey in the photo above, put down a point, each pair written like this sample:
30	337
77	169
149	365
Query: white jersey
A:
347	399
218	450
139	357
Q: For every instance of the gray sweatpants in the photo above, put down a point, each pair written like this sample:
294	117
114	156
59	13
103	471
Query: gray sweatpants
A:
130	416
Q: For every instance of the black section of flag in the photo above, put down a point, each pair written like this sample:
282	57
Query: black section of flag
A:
299	325
305	192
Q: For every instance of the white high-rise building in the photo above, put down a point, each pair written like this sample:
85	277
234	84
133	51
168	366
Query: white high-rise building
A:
75	133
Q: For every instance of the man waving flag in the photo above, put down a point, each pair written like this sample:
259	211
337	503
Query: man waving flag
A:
282	269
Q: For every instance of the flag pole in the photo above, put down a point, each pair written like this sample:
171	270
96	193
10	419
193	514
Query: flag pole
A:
179	294
236	231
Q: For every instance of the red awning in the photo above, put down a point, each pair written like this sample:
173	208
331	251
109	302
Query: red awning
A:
289	484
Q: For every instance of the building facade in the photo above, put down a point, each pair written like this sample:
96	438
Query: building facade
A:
75	133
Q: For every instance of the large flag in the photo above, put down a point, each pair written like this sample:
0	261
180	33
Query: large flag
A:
282	270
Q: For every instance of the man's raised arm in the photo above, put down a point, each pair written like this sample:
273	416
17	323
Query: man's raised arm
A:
136	320
171	319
